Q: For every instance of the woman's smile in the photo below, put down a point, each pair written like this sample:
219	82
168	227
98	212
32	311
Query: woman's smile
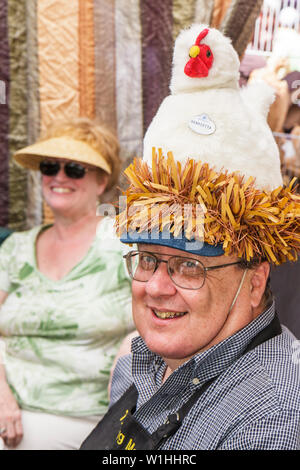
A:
61	190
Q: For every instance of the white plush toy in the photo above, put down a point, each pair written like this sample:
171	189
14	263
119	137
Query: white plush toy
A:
209	118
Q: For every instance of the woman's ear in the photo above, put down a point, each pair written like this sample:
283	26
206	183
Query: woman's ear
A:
259	277
102	183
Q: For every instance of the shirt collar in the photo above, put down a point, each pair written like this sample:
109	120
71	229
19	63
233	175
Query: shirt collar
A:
148	368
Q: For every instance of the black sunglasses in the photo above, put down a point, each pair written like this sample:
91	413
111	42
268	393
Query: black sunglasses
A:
71	169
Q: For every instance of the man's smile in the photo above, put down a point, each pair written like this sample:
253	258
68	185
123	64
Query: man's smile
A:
167	314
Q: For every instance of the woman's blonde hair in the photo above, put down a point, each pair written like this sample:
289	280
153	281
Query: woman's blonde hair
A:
97	135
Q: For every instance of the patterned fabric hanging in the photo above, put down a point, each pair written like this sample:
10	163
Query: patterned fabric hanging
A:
105	59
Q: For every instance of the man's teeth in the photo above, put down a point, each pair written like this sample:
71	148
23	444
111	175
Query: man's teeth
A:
164	315
61	190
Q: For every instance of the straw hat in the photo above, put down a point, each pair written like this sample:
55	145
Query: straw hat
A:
209	147
64	147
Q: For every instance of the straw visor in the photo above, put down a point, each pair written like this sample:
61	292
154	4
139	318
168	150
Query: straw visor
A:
60	147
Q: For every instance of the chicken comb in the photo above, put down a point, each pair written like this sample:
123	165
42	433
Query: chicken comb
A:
201	36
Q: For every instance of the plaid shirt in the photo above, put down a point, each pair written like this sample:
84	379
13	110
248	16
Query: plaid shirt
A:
254	403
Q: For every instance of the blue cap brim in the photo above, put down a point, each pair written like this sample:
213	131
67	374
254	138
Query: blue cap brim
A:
166	238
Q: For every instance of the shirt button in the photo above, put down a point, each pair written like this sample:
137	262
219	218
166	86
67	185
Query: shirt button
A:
196	381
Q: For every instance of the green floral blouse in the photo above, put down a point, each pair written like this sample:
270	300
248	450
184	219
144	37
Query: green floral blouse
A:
60	337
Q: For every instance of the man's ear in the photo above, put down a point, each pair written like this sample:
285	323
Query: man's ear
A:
259	277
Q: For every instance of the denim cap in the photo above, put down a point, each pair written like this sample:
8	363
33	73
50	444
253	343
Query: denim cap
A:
165	238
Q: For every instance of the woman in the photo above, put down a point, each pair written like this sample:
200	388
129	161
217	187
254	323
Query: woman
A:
64	295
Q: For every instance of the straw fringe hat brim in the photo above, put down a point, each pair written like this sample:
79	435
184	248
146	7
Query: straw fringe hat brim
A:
60	147
245	221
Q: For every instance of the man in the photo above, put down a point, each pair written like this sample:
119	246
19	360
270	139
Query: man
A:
211	368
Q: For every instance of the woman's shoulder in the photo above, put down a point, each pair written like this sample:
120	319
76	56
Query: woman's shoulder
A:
20	239
23	235
107	237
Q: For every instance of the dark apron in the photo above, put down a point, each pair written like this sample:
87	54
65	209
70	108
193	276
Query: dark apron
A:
119	430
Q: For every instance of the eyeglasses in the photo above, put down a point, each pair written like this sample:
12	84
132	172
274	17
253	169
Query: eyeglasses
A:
187	273
72	169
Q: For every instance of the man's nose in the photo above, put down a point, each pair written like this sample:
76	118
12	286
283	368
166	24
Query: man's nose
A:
160	283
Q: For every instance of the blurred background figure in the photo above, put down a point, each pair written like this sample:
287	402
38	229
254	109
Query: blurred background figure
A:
64	295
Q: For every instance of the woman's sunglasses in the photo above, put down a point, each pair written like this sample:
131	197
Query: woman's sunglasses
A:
71	169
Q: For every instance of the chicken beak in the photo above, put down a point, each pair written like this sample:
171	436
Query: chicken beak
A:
194	51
